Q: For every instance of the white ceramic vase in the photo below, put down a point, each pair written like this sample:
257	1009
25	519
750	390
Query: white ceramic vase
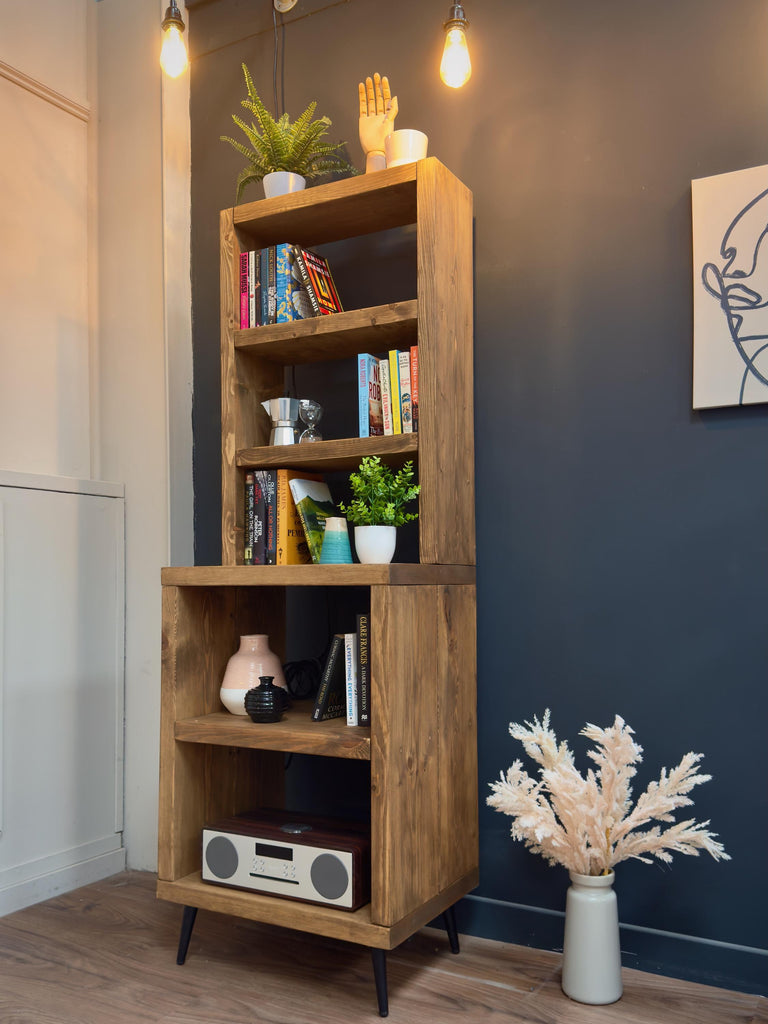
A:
591	952
280	183
375	544
253	659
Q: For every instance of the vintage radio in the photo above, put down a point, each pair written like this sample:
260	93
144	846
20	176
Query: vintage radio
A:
298	856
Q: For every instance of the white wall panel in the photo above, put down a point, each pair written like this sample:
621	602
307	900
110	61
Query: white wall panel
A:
46	41
44	330
62	687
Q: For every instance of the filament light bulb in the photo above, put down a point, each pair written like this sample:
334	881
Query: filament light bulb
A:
455	67
173	56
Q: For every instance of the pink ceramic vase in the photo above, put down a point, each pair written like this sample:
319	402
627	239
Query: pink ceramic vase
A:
253	659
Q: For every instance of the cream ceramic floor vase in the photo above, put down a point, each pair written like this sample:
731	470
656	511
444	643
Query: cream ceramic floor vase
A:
591	952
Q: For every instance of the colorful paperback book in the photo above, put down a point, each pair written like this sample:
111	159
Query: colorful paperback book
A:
363	672
415	387
314	504
292	548
264	285
270	513
406	412
291	298
350	676
254	289
371	423
386	396
258	529
331	700
394	386
248	525
316	275
244	317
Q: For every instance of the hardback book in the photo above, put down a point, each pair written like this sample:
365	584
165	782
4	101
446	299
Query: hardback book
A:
386	396
254	288
371	423
244	313
314	504
363	671
350	676
270	516
415	387
394	387
259	527
292	548
248	520
317	278
291	298
406	412
331	699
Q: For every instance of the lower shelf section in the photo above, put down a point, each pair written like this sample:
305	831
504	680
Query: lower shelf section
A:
355	926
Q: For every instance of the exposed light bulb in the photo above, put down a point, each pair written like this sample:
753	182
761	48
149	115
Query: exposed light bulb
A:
456	67
173	56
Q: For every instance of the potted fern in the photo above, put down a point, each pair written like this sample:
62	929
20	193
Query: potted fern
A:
284	154
379	497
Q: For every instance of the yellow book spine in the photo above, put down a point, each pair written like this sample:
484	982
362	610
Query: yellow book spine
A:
291	543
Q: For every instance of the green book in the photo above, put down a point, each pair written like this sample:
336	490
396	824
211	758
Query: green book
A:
314	504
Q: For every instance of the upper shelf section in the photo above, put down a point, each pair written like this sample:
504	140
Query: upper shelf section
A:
337	336
341	209
328	456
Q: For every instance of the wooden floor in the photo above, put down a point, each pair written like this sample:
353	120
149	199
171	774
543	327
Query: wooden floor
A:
106	954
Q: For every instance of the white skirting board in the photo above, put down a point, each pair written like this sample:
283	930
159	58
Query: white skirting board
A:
47	884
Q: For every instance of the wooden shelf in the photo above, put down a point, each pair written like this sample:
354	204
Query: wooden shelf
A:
394	574
342	209
323	338
326	456
294	733
349	926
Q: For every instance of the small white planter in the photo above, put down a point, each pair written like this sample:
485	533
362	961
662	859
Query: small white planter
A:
375	544
280	183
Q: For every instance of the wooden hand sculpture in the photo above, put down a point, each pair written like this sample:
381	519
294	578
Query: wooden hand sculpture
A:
378	109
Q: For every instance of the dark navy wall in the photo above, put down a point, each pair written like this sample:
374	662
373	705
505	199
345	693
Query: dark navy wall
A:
622	538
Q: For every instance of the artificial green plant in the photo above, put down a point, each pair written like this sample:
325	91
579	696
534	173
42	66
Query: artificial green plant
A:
379	495
283	145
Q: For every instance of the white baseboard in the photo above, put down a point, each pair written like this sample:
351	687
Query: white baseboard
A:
53	883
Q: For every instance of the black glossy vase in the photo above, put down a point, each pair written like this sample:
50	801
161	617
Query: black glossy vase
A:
266	702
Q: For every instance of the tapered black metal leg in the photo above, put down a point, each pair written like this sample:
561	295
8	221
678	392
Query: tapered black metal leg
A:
187	924
449	920
379	957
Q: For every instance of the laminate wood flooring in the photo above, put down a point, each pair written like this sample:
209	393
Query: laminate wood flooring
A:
106	954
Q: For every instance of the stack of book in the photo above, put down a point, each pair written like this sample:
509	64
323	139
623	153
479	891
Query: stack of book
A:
285	513
345	683
388	392
285	282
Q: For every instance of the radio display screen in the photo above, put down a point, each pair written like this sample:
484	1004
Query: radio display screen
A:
278	852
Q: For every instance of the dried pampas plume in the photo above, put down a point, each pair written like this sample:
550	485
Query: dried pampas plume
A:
588	825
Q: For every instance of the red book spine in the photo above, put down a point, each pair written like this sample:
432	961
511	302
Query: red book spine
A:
244	290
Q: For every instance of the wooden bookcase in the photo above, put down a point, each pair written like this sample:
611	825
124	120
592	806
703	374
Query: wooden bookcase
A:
421	745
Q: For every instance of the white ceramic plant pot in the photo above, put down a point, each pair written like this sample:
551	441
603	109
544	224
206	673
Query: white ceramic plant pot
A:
375	544
405	146
591	952
280	183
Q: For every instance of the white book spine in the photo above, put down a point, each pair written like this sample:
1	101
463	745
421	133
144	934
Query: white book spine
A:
386	396
350	668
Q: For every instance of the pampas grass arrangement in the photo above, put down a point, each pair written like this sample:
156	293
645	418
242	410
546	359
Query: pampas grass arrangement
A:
588	824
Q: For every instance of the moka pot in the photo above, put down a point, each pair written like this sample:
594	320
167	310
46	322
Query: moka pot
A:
283	412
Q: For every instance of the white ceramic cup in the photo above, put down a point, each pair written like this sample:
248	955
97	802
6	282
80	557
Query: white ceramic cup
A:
405	146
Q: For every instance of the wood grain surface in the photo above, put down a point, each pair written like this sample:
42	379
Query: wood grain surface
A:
106	954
